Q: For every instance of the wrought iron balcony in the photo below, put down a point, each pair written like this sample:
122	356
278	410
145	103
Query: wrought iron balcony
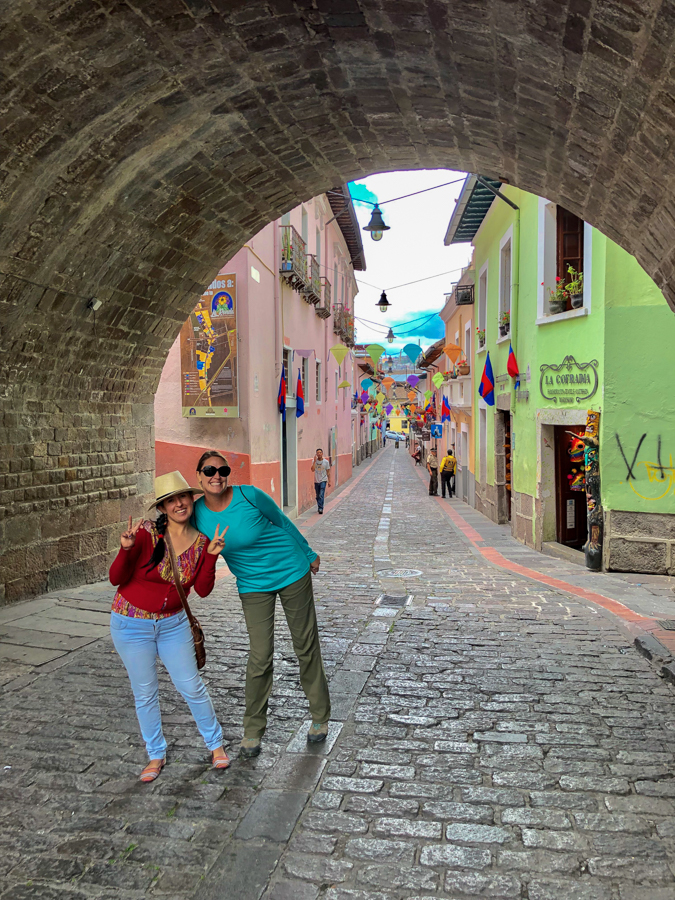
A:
293	258
312	291
323	310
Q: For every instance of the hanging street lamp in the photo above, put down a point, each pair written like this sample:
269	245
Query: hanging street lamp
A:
384	304
376	226
390	338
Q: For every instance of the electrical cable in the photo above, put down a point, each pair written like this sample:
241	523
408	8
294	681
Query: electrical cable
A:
405	196
408	283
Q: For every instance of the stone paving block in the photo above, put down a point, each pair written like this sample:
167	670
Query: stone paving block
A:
555	889
272	815
452	856
292	890
483	885
477	834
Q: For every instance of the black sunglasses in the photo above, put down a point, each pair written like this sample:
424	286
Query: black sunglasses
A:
210	471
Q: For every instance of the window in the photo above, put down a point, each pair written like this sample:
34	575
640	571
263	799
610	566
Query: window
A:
288	367
467	342
564	240
318	381
336	385
305	226
505	282
304	377
318	249
482	304
569	245
286	219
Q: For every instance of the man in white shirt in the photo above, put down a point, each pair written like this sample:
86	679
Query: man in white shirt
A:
321	469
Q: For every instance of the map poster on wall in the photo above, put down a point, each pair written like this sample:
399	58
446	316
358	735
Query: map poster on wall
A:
208	353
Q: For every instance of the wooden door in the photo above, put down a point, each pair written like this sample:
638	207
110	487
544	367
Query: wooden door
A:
571	518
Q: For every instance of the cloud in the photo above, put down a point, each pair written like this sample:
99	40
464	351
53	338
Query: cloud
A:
360	192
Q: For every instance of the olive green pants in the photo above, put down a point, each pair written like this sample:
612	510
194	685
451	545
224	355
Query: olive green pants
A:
297	600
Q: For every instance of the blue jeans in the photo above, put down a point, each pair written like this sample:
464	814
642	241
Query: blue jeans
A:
139	642
320	490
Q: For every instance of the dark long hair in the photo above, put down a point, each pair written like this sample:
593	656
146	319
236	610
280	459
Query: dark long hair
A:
160	547
208	455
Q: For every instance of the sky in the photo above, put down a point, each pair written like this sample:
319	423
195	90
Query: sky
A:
412	250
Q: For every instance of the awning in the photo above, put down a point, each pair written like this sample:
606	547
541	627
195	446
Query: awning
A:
471	208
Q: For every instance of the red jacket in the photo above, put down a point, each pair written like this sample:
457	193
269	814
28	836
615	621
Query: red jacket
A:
148	589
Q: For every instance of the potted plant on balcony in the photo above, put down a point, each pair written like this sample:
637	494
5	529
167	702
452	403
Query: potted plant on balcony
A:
504	323
575	287
480	334
463	366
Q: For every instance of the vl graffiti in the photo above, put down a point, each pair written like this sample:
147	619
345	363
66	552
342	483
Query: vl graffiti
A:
660	478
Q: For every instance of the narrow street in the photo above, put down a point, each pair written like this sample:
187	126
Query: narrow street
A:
497	736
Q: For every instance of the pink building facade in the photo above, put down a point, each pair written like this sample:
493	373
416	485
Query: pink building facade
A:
295	290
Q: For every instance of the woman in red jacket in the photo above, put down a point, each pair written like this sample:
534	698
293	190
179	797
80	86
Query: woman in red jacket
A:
148	619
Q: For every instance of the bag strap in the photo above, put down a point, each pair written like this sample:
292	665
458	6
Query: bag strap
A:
176	578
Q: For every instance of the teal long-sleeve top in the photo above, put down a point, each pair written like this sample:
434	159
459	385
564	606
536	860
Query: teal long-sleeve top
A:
263	548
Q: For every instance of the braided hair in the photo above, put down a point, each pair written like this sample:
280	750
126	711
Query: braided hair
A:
160	547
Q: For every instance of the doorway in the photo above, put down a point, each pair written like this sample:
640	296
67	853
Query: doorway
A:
465	467
507	463
289	461
571	517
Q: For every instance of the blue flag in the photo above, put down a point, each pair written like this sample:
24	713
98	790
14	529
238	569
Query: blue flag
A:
487	383
299	399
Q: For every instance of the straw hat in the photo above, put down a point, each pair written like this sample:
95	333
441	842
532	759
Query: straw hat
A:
169	485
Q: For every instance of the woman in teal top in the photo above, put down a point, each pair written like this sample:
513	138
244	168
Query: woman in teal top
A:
268	556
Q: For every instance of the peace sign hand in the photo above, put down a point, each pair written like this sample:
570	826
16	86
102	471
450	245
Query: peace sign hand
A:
128	538
218	542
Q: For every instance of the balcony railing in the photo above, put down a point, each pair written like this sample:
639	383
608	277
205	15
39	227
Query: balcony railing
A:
312	291
343	324
293	258
323	309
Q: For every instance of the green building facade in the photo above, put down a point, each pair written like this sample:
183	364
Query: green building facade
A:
610	349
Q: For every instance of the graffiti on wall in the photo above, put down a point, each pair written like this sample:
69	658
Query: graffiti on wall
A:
649	478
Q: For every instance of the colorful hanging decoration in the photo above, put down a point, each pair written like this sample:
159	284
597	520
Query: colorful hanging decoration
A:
381	397
428	395
412	380
299	398
366	383
364	396
412	395
344	384
281	396
445	410
388	408
413	352
438	379
374	351
388	381
304	353
452	351
339	351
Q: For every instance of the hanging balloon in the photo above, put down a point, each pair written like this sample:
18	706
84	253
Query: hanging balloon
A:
339	351
374	351
413	352
366	383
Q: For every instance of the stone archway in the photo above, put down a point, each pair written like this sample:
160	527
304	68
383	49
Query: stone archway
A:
144	141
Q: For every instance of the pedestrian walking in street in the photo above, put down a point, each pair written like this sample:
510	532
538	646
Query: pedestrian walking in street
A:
268	556
448	468
432	469
148	619
417	455
321	469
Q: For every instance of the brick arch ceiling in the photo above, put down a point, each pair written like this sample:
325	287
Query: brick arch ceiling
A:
144	141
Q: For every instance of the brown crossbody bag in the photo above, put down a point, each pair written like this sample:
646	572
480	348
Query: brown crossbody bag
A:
195	627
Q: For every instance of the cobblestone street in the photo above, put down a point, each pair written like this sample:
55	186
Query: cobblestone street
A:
496	737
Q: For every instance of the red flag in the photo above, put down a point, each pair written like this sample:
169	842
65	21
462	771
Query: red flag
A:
512	367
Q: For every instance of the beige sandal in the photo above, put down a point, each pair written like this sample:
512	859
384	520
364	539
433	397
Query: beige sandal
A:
222	761
152	770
